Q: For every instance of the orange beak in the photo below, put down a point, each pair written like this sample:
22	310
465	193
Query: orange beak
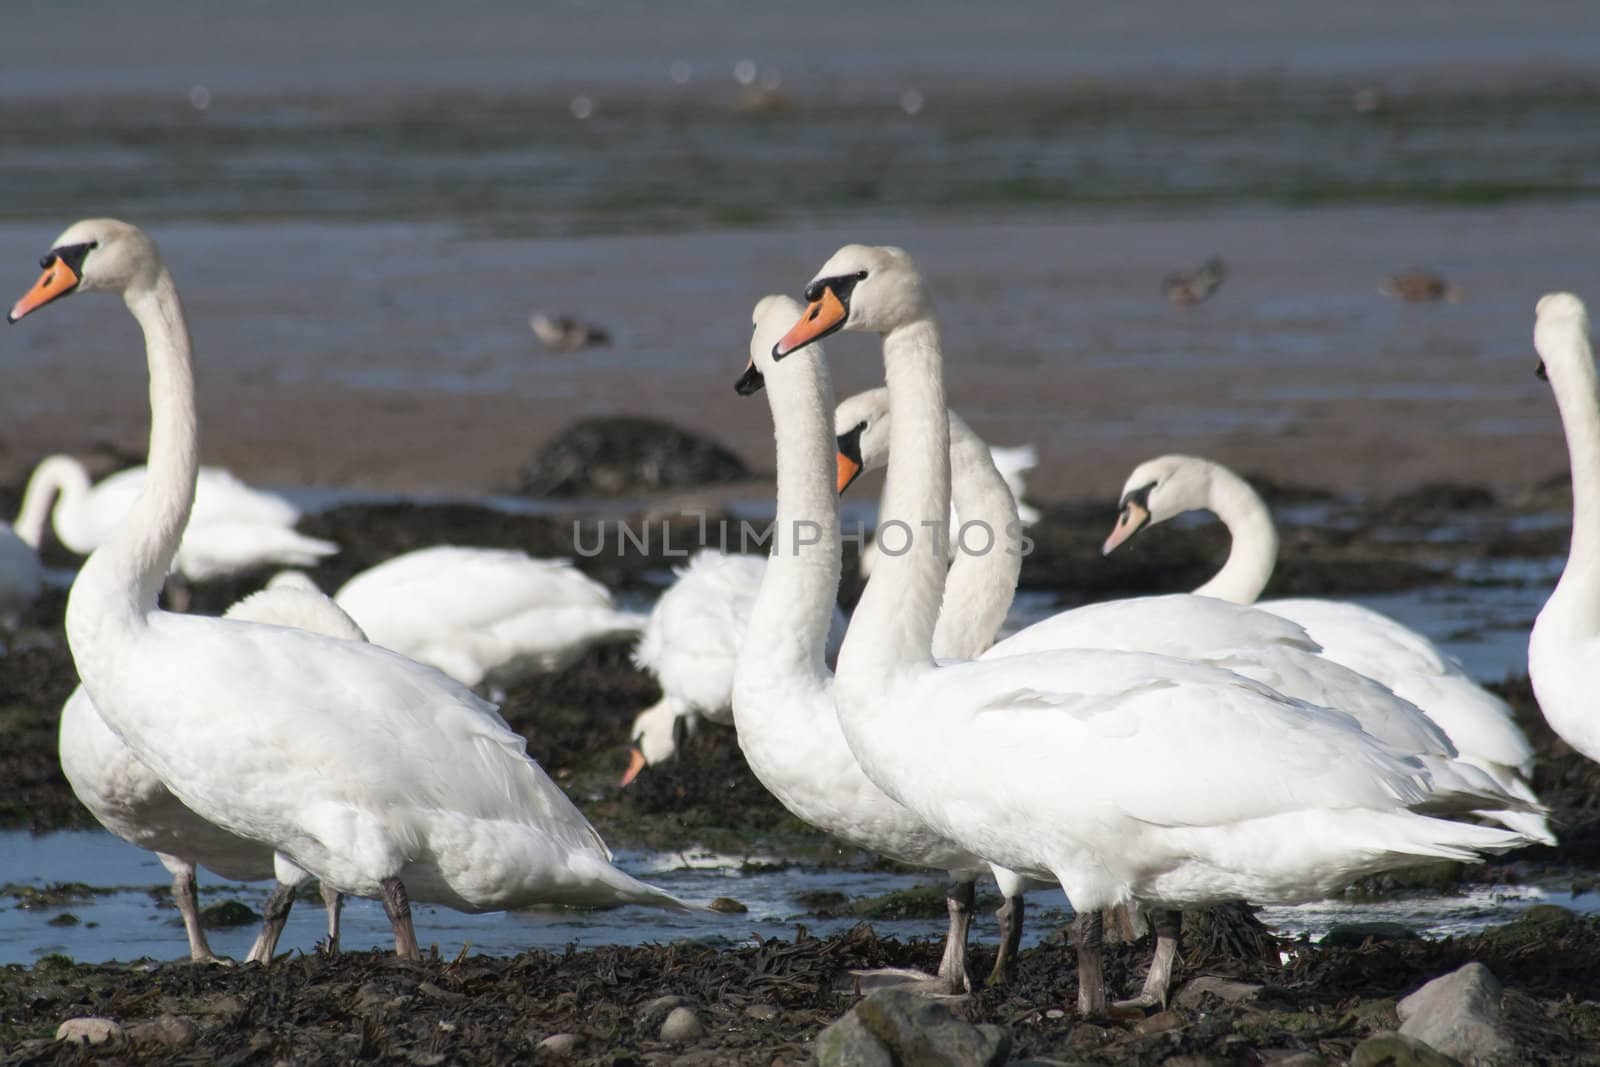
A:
1131	520
849	471
56	282
823	316
636	763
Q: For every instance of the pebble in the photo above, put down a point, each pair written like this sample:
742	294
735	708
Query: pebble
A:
763	1013
89	1030
561	1044
682	1025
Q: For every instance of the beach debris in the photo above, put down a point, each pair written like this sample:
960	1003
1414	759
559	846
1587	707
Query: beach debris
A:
1185	288
563	332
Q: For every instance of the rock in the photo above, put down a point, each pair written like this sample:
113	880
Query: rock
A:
728	906
88	1030
560	1044
1290	1057
1398	1050
626	454
171	1031
443	996
1197	992
682	1025
1160	1022
651	1013
226	914
1354	935
924	1032
1460	1015
847	1043
762	1013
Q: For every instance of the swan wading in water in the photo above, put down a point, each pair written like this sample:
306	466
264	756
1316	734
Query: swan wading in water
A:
783	689
1480	725
1564	648
128	799
380	776
691	643
479	613
233	527
1101	771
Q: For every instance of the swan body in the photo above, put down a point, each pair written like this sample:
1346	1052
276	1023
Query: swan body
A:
378	775
1478	723
691	643
1564	648
21	574
476	611
128	799
234	527
1123	776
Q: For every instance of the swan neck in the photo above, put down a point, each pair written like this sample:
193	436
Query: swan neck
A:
894	622
793	609
54	475
1254	551
988	559
124	577
1578	397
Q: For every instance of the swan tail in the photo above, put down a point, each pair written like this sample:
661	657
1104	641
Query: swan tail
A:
1446	839
623	888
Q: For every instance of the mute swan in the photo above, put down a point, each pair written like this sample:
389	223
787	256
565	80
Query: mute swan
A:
21	575
1478	723
380	776
234	527
783	689
1564	648
128	799
473	612
690	643
1257	644
565	333
1123	776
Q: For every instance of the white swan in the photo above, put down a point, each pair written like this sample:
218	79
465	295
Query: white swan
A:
476	612
1479	724
782	689
1259	645
691	643
1564	648
380	776
1122	776
128	799
234	527
21	576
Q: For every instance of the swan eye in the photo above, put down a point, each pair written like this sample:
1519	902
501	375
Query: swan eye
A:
1139	496
71	256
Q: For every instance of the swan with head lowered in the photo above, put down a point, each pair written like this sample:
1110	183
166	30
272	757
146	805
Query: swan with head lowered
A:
378	775
233	527
1478	723
128	799
1564	648
1122	776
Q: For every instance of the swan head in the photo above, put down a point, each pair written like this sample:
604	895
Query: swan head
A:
871	288
861	426
1159	489
1560	331
92	254
773	315
658	732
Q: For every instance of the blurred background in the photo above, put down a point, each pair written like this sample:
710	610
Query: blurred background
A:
364	205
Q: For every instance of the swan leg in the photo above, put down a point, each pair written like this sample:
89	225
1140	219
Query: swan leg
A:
1167	924
335	905
188	901
398	907
1005	961
1088	936
953	974
274	914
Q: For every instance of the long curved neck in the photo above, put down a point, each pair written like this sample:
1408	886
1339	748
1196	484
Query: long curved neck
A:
1578	397
983	577
1255	540
123	578
53	475
788	631
893	624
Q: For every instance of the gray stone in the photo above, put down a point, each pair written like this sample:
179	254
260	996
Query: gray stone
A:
1197	992
651	1013
1459	1015
1354	935
1397	1050
919	1032
88	1030
170	1030
847	1043
560	1045
682	1025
